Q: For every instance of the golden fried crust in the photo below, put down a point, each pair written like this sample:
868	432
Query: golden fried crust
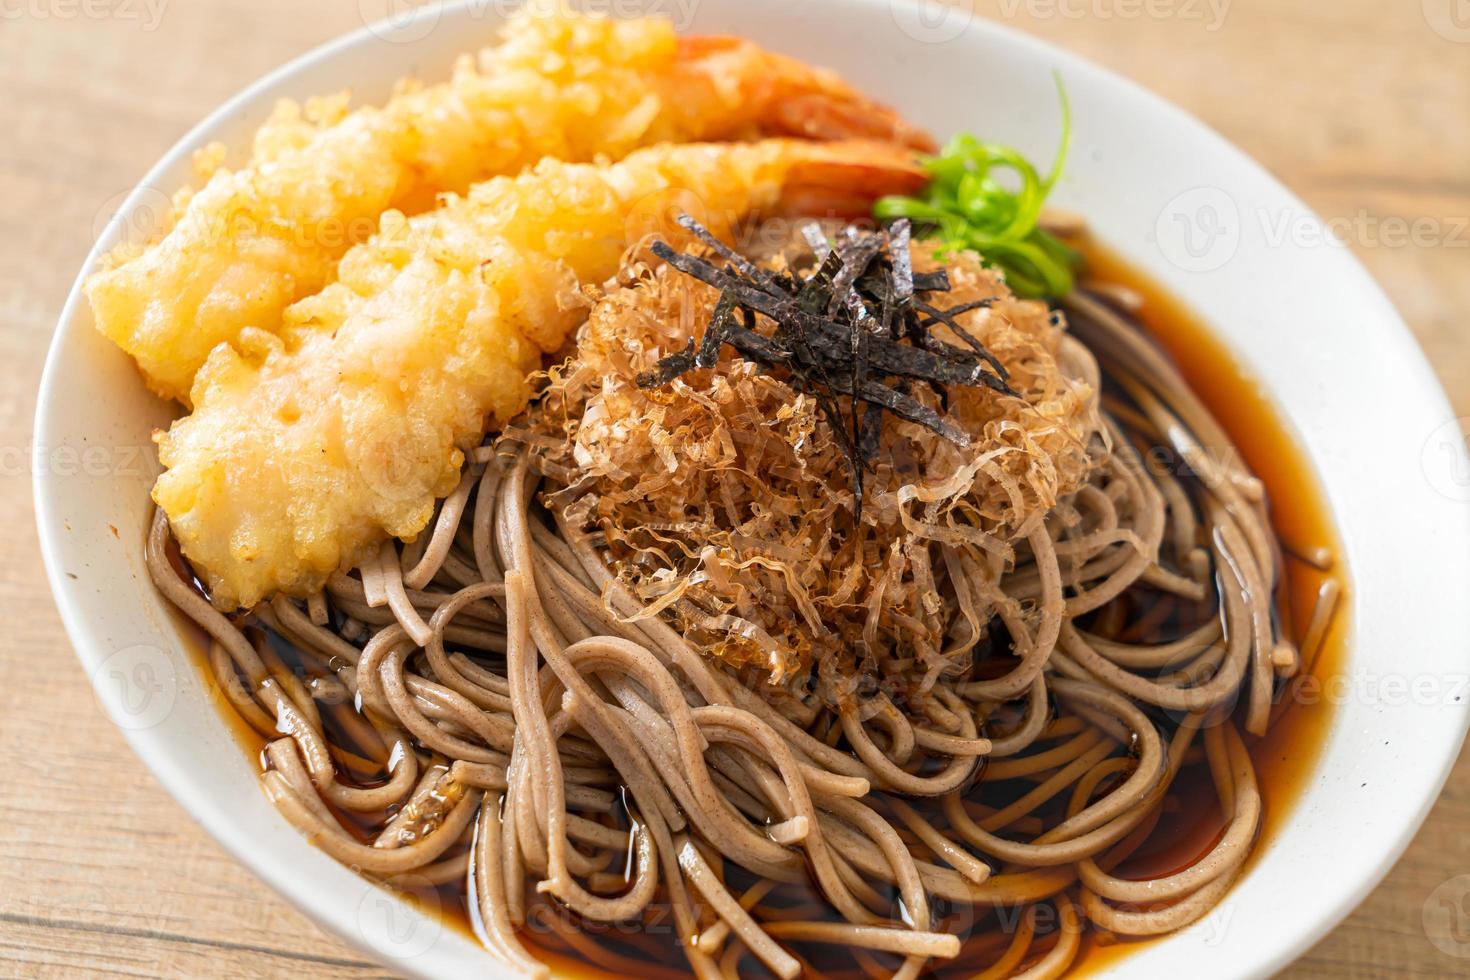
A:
306	449
569	86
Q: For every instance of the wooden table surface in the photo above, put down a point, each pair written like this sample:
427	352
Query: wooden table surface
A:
1361	106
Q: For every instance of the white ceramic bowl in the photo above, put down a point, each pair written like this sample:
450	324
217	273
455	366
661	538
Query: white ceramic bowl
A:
1168	193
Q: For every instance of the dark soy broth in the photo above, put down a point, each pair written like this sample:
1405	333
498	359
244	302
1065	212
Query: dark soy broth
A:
1286	758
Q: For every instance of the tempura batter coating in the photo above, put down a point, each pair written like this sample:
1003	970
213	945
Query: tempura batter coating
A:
570	86
307	449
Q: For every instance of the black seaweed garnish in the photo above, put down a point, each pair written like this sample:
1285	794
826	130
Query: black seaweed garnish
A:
858	326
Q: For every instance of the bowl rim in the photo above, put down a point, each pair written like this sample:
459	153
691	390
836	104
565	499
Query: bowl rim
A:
288	881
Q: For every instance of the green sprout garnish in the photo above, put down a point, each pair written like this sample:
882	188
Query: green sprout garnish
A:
966	207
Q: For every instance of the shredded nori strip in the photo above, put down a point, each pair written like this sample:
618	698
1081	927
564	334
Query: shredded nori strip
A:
855	327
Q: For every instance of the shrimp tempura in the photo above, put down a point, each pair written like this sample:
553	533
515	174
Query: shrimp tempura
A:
252	241
307	449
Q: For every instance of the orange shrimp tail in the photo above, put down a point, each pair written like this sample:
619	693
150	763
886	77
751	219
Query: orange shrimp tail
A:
781	96
848	181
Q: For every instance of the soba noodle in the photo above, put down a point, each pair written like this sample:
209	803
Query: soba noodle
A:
521	732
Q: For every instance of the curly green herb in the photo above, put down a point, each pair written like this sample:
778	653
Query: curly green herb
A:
966	207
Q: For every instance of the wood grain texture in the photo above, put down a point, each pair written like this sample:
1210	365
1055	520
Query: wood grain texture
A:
1358	105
